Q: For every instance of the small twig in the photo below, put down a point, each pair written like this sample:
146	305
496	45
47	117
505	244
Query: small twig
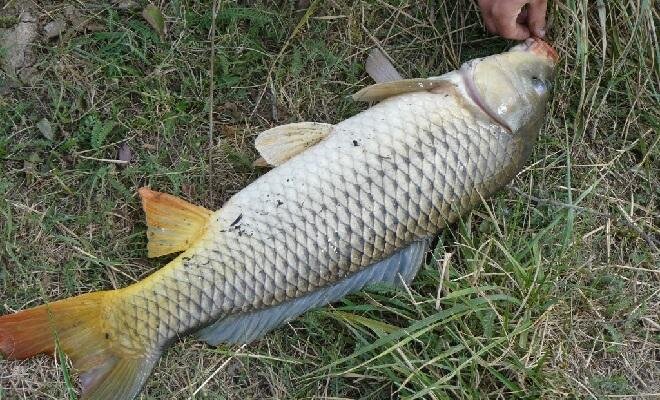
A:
105	146
122	162
220	368
274	103
410	294
377	43
400	10
98	261
653	271
582	385
634	373
210	173
654	325
651	241
443	277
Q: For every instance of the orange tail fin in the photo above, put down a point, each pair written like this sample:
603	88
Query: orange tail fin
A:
34	331
77	326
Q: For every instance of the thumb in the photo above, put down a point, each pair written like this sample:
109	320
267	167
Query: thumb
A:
536	17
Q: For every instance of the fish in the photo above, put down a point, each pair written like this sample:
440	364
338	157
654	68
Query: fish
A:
345	206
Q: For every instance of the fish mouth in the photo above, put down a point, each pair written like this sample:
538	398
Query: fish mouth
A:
541	48
534	45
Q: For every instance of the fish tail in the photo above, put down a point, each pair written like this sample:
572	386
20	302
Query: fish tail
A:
77	326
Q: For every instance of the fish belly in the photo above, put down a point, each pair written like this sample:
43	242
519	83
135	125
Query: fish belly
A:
393	174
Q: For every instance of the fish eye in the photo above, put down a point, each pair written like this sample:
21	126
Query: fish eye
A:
540	86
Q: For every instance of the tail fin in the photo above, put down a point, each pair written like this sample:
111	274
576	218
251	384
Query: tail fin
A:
78	327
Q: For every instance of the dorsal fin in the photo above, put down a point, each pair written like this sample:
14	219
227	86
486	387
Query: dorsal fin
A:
279	144
380	68
173	224
381	91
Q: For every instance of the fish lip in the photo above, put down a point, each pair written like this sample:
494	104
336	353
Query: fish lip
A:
466	74
542	49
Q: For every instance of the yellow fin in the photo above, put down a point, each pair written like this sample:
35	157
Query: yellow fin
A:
279	144
383	90
76	327
173	224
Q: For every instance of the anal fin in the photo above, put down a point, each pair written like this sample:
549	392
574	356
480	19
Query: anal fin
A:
277	145
244	328
173	224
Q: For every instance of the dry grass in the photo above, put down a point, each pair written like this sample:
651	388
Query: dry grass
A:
552	288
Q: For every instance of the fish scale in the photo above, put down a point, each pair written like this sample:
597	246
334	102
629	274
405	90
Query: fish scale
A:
420	162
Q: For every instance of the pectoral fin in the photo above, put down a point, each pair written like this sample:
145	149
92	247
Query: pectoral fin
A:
381	91
173	224
380	69
279	144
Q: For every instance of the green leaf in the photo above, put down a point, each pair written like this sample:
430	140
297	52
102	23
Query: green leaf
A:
45	128
374	325
154	17
100	132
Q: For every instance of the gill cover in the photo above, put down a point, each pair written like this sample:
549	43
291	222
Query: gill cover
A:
513	87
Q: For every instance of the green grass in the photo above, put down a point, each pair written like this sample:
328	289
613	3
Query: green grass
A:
551	290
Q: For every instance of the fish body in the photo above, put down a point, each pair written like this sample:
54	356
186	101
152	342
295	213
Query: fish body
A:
368	190
356	206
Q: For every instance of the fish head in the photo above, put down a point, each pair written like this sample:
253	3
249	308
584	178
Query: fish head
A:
513	87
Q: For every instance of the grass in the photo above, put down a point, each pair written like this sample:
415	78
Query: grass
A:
551	289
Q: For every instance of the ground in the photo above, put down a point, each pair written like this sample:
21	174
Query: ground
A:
551	289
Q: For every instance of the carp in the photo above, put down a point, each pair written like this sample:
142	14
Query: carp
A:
347	205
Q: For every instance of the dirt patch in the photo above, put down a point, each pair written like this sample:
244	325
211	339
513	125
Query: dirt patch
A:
16	43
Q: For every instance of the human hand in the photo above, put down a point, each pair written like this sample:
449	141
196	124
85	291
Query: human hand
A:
508	19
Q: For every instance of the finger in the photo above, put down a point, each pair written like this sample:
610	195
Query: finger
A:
511	30
536	17
504	18
490	26
486	16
